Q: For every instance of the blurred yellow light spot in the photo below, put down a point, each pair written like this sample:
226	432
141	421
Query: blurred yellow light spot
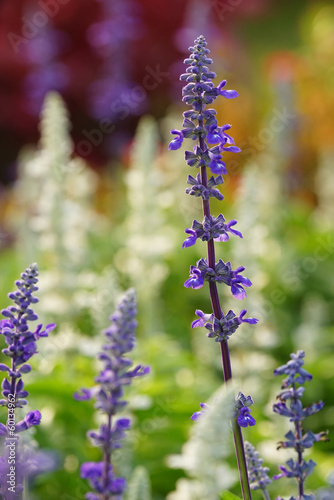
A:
184	377
71	463
48	414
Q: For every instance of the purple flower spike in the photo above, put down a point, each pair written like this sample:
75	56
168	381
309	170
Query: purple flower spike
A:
245	419
115	374
290	406
21	340
201	125
176	143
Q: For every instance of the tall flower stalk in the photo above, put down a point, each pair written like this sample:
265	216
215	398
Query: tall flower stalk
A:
115	374
258	476
290	406
21	346
200	125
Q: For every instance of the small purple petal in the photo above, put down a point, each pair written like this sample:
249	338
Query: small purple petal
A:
229	94
176	143
202	318
238	292
191	240
231	149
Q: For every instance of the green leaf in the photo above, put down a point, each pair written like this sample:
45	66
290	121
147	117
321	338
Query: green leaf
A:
227	495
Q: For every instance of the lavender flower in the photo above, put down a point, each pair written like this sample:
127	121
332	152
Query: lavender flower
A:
21	342
210	228
221	329
241	411
290	406
258	476
206	192
195	416
200	125
120	339
221	273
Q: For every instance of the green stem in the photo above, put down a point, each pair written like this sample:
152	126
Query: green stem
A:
265	494
241	459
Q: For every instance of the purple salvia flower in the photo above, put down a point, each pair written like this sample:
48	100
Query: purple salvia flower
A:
32	418
200	124
203	318
258	477
222	273
229	94
242	411
21	345
210	228
206	192
176	143
221	329
290	406
245	419
115	374
196	279
195	416
294	370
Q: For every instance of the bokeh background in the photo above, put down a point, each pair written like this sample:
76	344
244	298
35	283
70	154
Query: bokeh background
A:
90	191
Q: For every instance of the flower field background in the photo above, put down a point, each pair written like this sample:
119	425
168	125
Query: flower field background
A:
90	191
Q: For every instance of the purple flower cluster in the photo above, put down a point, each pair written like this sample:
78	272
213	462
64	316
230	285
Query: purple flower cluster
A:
207	191
112	92
241	412
221	329
290	406
211	228
200	124
222	273
258	476
21	341
120	339
21	345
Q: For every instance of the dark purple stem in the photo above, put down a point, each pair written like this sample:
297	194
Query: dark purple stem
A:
107	461
13	381
226	361
298	429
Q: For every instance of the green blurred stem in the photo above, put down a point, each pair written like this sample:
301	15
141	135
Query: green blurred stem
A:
241	459
265	494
